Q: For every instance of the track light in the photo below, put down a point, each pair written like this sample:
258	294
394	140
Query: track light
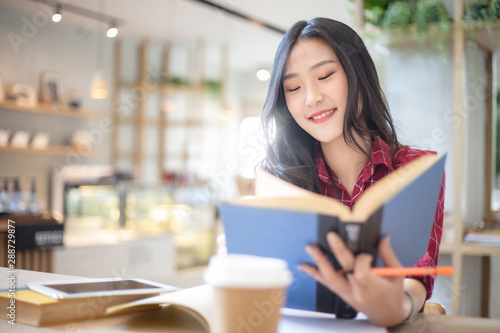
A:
112	31
57	16
90	14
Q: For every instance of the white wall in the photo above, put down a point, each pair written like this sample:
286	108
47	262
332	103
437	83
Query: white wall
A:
419	90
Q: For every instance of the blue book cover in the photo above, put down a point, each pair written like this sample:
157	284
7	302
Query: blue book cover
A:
401	205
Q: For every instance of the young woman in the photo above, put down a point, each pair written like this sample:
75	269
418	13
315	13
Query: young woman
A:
329	130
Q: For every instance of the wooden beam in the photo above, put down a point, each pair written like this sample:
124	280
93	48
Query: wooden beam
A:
163	124
115	118
359	17
141	106
485	287
458	70
490	141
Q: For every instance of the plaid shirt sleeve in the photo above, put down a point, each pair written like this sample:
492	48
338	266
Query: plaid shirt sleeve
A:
430	259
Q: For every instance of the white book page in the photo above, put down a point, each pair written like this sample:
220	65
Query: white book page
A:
197	300
299	321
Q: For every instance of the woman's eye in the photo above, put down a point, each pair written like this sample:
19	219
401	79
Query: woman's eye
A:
326	76
294	89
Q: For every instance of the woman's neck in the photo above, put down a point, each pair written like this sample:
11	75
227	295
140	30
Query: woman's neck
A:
345	161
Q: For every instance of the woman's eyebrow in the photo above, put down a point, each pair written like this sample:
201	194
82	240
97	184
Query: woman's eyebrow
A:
319	64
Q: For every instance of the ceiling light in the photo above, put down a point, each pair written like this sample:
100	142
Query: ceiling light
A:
57	16
98	88
112	31
263	74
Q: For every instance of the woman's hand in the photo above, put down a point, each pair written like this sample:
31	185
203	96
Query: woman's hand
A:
381	299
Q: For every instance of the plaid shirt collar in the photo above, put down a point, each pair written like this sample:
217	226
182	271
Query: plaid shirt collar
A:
381	155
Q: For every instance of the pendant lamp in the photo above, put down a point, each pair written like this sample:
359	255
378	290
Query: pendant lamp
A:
98	87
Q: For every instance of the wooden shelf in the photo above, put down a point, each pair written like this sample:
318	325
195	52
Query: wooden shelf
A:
164	88
479	250
398	37
176	122
485	34
470	249
173	155
51	150
48	109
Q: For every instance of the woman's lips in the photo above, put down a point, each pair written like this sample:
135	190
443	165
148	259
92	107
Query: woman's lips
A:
322	116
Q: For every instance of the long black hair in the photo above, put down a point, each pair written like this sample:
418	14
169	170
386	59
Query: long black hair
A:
290	149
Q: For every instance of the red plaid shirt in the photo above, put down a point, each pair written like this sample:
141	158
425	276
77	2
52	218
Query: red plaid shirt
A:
372	172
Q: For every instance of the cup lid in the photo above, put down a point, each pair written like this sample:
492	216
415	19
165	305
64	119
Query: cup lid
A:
247	271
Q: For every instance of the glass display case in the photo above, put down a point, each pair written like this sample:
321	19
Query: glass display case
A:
172	209
91	209
110	213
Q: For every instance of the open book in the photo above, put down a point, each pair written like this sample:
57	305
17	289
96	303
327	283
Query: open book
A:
198	303
282	219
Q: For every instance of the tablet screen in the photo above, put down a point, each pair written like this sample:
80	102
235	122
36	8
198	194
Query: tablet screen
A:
102	286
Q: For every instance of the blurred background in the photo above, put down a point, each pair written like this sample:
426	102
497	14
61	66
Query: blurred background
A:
124	123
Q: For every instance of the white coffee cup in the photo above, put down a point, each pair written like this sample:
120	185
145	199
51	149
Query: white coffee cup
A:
249	292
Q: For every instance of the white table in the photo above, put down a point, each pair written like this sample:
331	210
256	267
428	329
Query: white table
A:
180	322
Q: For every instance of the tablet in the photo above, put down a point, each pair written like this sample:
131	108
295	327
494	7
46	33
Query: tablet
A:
69	289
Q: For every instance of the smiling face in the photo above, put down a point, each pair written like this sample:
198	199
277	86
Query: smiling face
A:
316	90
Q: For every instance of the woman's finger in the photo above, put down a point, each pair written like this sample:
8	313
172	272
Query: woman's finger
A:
387	254
362	269
343	255
313	271
358	292
325	272
322	262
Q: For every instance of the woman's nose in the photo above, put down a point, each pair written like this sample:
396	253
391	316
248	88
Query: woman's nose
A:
314	96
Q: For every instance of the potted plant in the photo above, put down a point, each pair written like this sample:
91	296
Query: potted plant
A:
432	24
374	10
481	15
494	9
214	88
398	15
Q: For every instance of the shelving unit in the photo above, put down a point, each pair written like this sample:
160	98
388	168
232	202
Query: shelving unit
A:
137	119
30	165
461	32
142	119
47	110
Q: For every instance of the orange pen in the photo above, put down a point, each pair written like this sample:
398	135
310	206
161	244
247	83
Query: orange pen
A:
403	271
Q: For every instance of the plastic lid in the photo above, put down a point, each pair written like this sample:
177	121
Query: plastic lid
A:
246	271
